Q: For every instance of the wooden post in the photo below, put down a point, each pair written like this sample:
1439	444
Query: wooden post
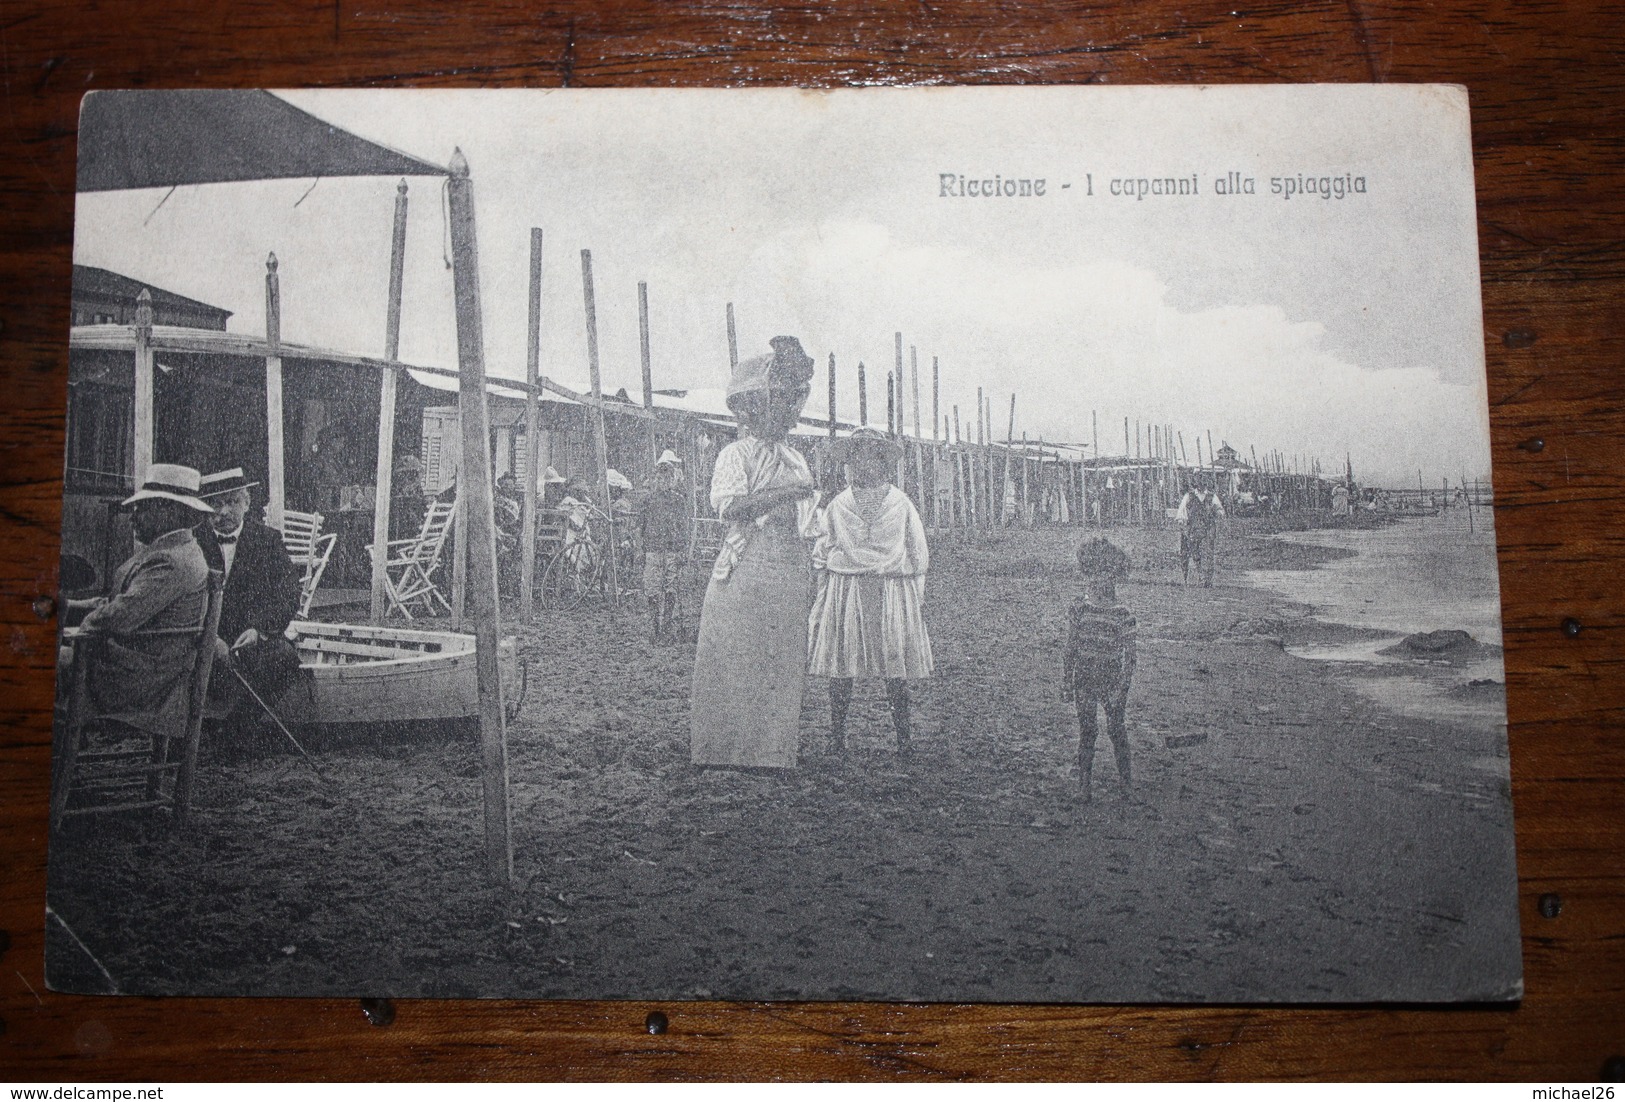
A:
459	549
936	419
956	424
863	399
273	396
600	442
733	340
832	395
533	432
919	438
936	399
1009	440
474	482
896	380
891	404
1182	457
1125	438
142	434
1094	422
383	481
1025	492
648	371
1212	456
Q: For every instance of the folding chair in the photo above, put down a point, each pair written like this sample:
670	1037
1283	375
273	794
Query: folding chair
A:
412	563
705	543
129	777
309	549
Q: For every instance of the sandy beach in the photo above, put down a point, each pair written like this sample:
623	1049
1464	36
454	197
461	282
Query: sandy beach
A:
1293	833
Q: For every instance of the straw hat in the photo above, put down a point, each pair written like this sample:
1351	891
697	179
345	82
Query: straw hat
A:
617	480
171	482
668	458
842	450
223	482
553	476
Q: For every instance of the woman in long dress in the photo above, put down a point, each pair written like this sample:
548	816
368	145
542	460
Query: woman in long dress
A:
870	559
750	665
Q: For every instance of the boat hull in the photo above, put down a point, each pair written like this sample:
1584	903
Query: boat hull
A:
362	674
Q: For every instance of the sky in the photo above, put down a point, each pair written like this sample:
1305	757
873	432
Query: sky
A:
1318	327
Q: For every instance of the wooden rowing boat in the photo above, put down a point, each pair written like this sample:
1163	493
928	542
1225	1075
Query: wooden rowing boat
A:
355	673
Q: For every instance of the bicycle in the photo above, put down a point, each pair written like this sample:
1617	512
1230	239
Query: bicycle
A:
580	567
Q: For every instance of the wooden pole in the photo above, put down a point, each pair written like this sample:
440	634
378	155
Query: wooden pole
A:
475	483
600	441
1183	458
1094	421
936	399
733	341
648	371
863	399
891	404
1026	495
919	437
383	482
142	434
895	380
533	432
832	395
459	550
956	424
274	476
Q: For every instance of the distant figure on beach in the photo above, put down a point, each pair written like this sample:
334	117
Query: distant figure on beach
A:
1100	654
1200	511
663	535
869	563
750	667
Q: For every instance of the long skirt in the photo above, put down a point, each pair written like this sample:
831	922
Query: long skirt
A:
750	667
863	626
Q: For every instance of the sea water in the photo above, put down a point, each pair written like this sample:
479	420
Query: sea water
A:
1418	574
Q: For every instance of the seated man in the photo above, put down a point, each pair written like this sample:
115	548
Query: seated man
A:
141	674
260	597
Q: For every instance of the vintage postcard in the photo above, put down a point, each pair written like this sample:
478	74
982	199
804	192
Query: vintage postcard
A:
998	544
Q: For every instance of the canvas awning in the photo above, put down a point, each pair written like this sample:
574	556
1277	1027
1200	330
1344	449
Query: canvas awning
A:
164	138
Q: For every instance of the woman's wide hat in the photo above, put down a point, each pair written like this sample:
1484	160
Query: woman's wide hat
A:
787	367
171	482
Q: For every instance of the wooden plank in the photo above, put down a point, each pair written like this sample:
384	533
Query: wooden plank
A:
600	442
276	452
142	440
533	432
389	379
474	485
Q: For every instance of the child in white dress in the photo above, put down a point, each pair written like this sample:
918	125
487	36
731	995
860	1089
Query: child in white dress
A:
870	561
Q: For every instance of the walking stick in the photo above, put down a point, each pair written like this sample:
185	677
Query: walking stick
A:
235	672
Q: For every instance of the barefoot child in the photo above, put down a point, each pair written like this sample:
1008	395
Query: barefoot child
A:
1100	657
663	532
870	561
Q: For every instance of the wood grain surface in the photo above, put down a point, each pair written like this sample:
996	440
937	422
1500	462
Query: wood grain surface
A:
1549	132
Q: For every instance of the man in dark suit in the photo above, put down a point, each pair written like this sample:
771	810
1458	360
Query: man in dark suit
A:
260	598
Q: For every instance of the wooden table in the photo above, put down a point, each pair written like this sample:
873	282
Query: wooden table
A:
1545	83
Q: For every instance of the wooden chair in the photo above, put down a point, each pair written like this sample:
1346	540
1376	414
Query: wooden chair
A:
128	777
409	571
310	549
706	542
